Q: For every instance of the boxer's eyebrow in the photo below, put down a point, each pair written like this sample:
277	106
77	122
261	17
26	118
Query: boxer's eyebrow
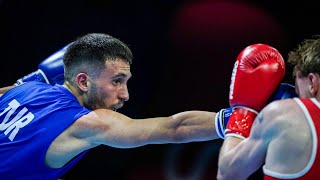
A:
122	75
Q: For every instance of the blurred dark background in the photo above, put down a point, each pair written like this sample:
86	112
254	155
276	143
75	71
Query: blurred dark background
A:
183	57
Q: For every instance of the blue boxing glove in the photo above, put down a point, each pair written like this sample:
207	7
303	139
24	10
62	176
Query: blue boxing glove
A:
49	71
283	91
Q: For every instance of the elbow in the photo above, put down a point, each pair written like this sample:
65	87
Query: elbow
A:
227	168
226	171
221	169
224	175
221	175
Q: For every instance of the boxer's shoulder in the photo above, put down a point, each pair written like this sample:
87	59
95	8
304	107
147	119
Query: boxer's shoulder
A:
281	114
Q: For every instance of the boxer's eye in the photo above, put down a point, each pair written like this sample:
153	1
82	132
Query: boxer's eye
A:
116	82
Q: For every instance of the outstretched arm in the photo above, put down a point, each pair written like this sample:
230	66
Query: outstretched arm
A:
106	127
114	129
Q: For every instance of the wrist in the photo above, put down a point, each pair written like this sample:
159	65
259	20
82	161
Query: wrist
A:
221	120
240	122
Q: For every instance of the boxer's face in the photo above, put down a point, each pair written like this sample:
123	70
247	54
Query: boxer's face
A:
110	89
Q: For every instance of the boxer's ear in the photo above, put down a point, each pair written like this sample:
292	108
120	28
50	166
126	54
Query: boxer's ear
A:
81	81
314	81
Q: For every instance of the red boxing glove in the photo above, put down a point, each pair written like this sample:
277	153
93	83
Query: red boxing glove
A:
257	72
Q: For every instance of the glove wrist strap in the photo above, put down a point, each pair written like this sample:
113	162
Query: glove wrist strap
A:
240	122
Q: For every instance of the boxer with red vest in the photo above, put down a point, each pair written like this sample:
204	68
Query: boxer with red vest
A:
283	139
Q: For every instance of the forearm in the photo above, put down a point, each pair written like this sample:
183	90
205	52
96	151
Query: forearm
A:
194	126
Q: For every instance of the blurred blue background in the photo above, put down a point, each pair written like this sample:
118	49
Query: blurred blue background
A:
183	57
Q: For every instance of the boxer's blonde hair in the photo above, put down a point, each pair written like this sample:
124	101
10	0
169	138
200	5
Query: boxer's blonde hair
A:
306	57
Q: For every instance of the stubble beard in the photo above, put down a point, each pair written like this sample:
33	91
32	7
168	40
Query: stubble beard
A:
94	101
